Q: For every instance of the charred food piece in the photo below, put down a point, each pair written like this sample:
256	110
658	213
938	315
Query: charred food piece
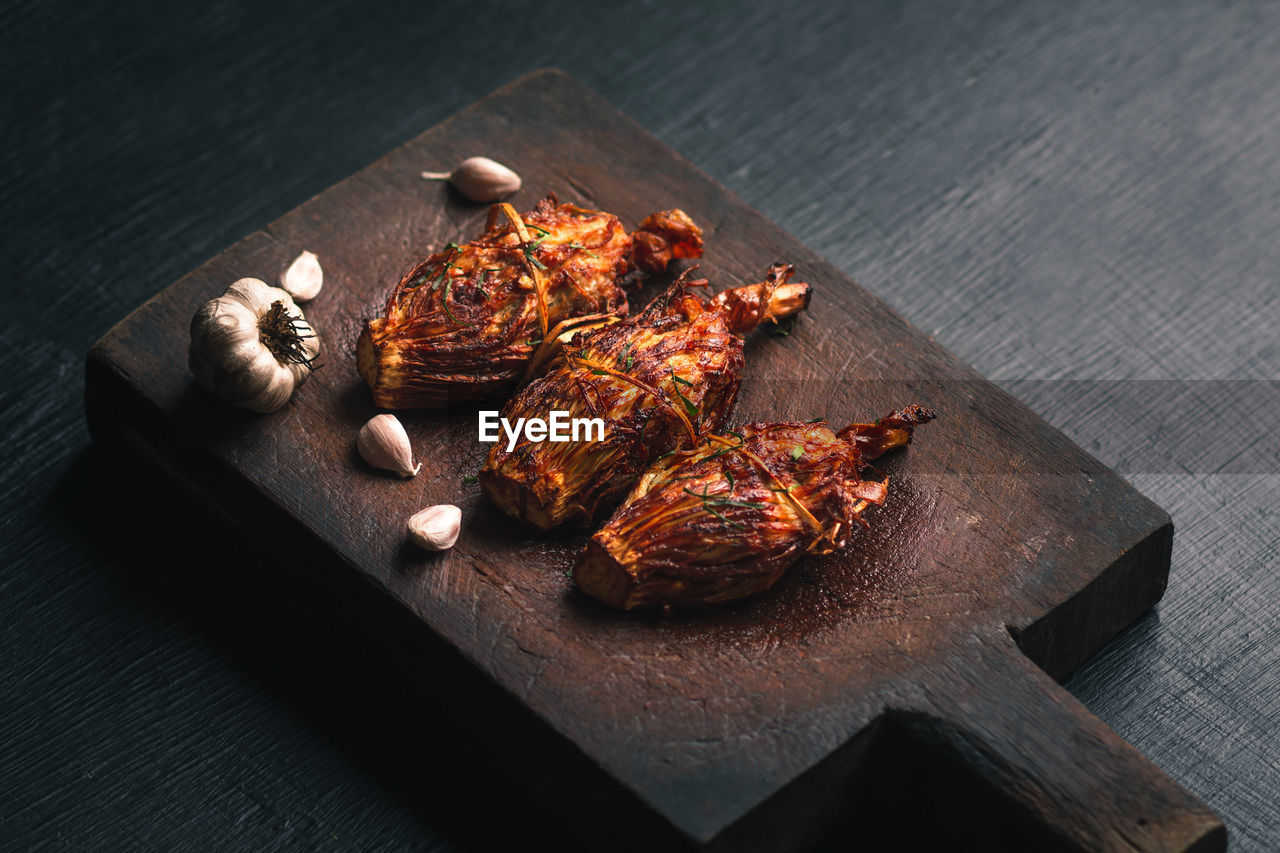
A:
464	322
727	518
660	381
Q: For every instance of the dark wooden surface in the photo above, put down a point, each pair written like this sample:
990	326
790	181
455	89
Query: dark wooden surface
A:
706	726
1079	202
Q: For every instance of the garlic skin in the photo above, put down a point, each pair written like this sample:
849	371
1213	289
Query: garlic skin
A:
436	528
383	443
479	179
249	352
304	278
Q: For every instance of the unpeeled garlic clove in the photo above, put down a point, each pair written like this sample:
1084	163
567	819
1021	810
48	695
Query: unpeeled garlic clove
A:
436	527
479	179
304	278
383	443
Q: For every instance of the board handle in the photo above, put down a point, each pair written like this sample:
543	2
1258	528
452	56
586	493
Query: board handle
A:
1014	759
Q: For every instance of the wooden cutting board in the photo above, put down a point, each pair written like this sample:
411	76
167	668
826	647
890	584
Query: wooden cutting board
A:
915	667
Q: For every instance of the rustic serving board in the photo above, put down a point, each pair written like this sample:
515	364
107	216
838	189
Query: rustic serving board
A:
917	666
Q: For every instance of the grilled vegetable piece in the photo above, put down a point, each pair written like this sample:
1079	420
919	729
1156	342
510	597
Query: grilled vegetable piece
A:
659	381
464	322
727	518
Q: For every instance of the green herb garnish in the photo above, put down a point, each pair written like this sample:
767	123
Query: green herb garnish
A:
533	245
469	479
717	500
711	504
797	452
644	426
722	451
582	248
689	408
528	253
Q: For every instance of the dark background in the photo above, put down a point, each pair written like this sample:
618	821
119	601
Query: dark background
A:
1081	200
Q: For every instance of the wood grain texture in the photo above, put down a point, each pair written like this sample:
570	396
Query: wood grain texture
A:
1055	192
691	727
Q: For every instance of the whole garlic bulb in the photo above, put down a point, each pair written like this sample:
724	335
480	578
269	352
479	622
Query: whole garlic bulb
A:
252	346
479	179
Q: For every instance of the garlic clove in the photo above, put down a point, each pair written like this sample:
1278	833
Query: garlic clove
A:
304	277
383	443
436	528
479	179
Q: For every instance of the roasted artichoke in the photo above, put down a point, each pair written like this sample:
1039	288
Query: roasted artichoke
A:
660	381
463	324
726	518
